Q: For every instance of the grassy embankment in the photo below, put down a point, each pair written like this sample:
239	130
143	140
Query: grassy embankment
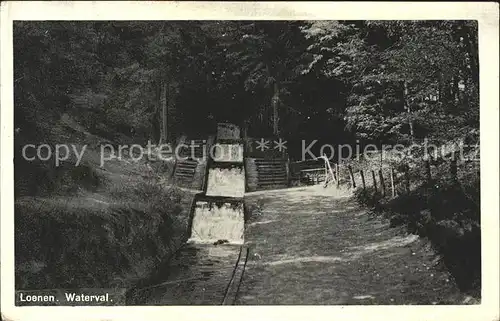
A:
444	209
89	226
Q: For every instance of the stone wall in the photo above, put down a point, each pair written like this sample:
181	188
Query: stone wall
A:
199	176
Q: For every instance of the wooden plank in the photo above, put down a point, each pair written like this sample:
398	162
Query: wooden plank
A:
271	168
282	174
187	163
271	186
267	180
268	177
184	177
186	169
184	172
271	173
261	174
313	170
277	182
270	161
273	181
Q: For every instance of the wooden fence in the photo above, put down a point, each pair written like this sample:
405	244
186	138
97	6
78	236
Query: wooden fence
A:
389	180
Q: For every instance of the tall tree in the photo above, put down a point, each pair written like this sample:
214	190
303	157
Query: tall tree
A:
266	54
407	78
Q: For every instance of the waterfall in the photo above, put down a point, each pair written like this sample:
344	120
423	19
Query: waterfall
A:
215	219
213	222
228	182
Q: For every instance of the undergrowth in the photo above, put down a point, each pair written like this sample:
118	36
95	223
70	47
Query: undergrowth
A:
90	226
73	242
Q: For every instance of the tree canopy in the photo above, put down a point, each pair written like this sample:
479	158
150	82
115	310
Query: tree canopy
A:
382	81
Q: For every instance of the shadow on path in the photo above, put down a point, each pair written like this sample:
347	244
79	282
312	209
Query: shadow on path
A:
316	246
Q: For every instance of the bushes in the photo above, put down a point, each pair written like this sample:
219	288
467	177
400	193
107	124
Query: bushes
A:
43	178
78	242
90	226
368	197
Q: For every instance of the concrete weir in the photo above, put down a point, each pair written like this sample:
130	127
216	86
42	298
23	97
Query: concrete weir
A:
226	182
217	219
218	215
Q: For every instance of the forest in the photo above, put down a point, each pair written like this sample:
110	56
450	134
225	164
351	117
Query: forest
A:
336	81
130	82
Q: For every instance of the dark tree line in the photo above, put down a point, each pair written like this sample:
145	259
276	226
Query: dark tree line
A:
380	81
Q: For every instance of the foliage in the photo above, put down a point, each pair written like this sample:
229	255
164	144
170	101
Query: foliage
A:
403	75
368	197
130	82
67	243
390	80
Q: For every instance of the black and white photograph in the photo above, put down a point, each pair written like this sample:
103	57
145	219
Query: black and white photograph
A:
248	162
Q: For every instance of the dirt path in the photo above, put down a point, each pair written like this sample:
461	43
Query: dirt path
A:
309	246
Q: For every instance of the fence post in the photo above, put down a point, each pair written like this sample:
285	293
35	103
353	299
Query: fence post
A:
326	175
428	170
352	176
363	179
374	181
407	178
338	175
453	168
287	168
382	183
392	183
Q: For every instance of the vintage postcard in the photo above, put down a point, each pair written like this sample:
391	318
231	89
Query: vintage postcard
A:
295	160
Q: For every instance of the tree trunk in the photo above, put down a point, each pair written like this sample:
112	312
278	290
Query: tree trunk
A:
471	44
440	88
164	112
381	154
455	90
155	128
275	103
156	121
408	109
